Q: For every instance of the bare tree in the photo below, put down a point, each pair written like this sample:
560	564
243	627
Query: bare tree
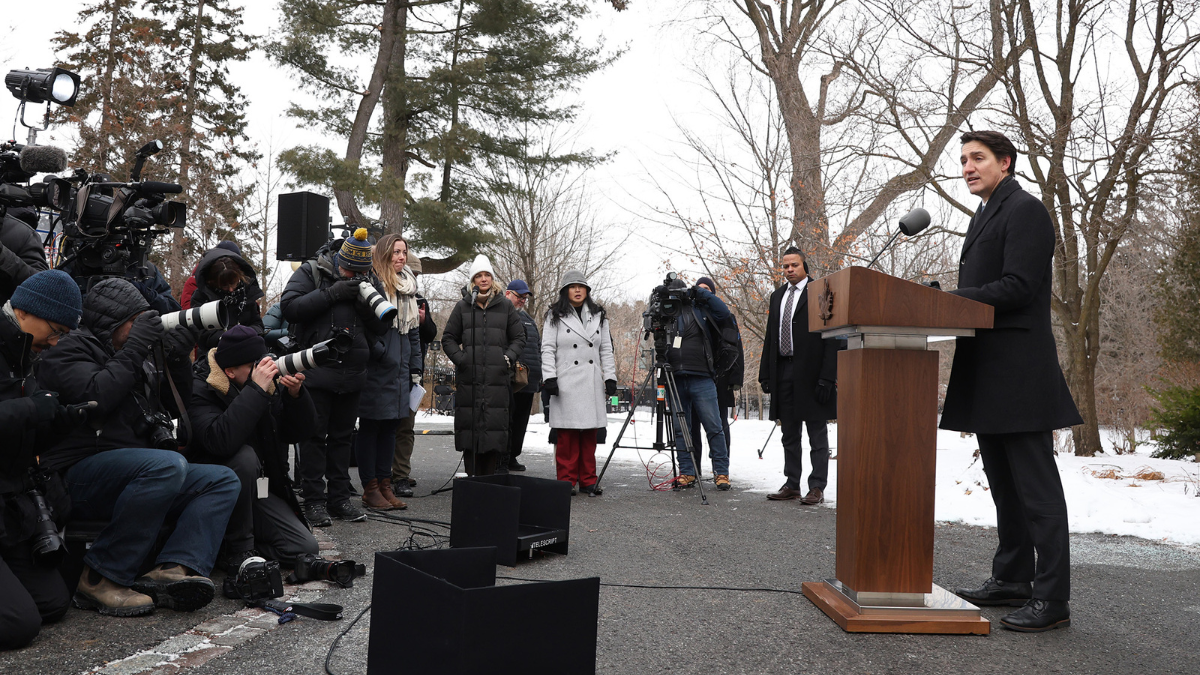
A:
1098	104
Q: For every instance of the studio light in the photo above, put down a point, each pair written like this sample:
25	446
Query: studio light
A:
53	85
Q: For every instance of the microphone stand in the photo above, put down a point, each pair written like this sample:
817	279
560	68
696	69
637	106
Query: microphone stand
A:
885	247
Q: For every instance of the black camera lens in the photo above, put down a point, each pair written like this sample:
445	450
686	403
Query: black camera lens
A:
48	546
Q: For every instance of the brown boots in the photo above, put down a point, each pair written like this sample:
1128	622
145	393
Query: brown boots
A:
373	499
385	488
108	598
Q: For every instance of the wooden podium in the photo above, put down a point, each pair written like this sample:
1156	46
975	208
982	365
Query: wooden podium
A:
887	435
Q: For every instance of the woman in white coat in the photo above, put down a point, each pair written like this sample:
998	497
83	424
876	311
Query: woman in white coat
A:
578	372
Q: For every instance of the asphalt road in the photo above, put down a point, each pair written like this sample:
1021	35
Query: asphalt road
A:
1136	604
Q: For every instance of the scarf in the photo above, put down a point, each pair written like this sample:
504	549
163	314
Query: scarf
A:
405	300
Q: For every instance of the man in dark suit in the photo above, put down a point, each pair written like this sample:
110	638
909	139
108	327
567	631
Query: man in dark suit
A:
799	370
1006	386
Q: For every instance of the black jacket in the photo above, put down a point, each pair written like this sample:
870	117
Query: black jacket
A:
1007	379
428	329
225	418
314	317
83	366
241	303
21	255
531	356
731	380
813	359
477	340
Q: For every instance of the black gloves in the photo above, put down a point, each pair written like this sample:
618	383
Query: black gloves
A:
147	329
610	387
551	386
826	390
933	284
179	342
344	290
45	407
765	386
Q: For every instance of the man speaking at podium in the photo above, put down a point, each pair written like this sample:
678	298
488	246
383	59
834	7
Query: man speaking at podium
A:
1007	387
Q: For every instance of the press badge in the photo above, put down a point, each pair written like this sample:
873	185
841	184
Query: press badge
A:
678	341
262	484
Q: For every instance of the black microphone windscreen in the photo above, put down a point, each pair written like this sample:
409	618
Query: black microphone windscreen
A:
43	159
914	221
149	186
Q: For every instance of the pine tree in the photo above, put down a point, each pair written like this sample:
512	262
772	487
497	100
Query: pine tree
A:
1178	289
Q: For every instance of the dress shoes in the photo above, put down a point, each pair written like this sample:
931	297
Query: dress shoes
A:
814	496
785	493
1039	615
996	592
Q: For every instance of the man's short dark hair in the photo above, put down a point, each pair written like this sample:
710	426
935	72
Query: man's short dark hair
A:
792	250
998	143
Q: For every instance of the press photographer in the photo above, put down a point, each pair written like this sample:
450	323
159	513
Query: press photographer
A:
223	275
43	309
244	419
21	252
323	300
125	468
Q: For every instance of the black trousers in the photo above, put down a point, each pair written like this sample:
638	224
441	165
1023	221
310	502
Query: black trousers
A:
29	596
518	422
267	525
481	464
793	450
1031	512
326	456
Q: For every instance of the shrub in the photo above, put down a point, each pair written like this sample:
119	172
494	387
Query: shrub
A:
1176	421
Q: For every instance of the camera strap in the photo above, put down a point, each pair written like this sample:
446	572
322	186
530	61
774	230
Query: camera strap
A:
313	610
184	420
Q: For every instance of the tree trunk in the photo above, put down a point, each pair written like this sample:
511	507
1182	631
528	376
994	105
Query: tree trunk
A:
448	166
177	271
106	86
395	133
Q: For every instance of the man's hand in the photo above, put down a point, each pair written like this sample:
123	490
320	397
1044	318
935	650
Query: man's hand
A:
551	386
264	373
180	341
45	407
416	377
825	392
146	330
292	384
344	290
421	313
610	387
765	386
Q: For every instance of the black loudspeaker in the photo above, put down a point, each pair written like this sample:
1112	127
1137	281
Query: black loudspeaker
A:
516	514
460	624
303	225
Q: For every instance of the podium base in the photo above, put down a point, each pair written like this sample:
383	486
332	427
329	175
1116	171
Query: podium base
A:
943	613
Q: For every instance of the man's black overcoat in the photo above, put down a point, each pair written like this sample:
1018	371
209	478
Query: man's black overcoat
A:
814	359
1007	379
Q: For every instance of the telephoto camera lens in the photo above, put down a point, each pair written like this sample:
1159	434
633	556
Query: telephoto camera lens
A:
49	549
315	356
379	305
210	315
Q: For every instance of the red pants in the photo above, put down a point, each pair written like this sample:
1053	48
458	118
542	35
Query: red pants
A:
575	455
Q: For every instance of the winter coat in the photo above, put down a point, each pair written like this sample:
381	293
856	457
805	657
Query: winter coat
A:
394	357
577	351
1007	379
734	377
477	340
225	418
148	280
813	359
83	367
242	303
314	318
21	439
275	325
531	356
21	255
189	288
428	329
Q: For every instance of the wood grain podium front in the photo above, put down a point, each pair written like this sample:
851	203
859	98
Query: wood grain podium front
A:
886	452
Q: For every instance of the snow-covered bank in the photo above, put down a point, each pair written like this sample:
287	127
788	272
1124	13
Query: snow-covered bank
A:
1104	493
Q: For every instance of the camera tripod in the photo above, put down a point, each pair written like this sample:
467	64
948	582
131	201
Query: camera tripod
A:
666	390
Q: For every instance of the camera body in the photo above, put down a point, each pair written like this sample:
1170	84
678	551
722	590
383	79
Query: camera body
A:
666	303
158	428
313	568
49	548
256	579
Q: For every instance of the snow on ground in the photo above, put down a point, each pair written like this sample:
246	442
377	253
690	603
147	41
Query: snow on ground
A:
1103	494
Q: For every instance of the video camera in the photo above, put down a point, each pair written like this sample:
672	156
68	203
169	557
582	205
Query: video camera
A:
19	163
666	303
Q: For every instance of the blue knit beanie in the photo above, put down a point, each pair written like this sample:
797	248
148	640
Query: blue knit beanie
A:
51	295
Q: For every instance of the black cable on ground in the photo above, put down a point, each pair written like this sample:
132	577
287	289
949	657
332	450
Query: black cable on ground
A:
336	640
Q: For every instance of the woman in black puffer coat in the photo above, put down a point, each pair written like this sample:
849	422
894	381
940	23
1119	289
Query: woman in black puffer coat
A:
483	337
226	276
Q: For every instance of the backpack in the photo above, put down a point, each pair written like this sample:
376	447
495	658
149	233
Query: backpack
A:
726	343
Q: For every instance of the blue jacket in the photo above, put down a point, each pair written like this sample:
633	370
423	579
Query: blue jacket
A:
703	302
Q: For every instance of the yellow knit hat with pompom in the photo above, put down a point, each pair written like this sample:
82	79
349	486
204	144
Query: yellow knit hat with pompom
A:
355	254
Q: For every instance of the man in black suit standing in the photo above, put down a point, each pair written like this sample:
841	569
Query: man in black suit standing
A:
1006	386
799	370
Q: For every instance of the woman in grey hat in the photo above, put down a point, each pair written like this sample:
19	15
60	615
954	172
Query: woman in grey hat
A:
578	370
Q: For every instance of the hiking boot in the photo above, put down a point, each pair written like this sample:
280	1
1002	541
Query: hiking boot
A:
316	515
175	587
722	482
346	511
110	599
373	499
683	482
232	562
385	489
514	465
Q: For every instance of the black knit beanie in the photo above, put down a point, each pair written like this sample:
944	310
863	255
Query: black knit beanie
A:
240	345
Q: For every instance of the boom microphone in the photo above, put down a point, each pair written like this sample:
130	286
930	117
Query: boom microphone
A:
913	222
155	187
42	159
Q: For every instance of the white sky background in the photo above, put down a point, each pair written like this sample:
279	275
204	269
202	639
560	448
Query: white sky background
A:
632	108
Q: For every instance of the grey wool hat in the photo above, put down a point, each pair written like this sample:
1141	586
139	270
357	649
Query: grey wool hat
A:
574	277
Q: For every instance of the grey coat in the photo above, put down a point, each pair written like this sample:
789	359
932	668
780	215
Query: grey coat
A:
579	354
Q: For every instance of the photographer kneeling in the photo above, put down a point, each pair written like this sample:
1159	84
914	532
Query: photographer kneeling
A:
125	468
43	308
241	420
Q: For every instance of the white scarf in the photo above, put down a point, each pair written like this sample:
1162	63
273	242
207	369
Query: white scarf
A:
405	300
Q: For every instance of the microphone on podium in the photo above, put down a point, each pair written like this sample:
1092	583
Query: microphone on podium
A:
913	222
